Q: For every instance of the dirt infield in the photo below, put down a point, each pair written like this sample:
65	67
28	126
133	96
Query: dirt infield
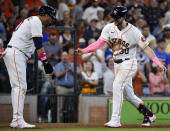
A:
44	126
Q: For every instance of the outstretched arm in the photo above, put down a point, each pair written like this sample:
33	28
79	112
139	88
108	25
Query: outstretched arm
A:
92	47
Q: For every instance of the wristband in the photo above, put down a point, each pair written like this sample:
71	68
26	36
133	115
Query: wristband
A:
156	60
42	56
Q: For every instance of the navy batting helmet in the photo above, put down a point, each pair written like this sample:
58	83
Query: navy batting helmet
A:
47	10
118	12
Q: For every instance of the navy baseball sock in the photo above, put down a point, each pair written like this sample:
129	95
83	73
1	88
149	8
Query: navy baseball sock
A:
145	111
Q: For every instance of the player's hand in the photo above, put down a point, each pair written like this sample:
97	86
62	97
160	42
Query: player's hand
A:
47	67
162	68
79	51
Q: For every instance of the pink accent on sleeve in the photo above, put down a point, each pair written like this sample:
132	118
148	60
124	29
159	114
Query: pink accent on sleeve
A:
94	46
156	60
42	56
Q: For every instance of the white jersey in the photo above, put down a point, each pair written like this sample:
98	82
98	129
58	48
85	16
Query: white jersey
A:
22	37
130	37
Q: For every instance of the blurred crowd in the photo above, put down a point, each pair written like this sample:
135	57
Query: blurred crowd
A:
95	71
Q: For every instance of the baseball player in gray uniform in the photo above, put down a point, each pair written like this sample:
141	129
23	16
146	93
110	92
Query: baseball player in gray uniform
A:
25	39
123	38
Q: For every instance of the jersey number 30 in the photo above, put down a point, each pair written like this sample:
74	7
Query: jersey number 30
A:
125	51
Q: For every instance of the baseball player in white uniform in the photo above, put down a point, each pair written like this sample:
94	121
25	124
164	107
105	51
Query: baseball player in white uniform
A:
25	39
123	38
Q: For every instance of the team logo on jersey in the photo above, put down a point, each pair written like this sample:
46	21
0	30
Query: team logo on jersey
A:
123	45
143	39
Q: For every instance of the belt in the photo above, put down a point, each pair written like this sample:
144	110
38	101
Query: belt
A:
118	61
9	46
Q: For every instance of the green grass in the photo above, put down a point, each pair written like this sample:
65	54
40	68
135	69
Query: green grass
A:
92	129
80	129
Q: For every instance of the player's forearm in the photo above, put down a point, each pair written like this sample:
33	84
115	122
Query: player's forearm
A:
94	46
149	52
39	48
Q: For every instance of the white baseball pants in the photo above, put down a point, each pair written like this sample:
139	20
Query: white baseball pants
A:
15	62
122	85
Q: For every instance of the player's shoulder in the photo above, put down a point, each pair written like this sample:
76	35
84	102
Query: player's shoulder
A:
109	25
34	19
135	29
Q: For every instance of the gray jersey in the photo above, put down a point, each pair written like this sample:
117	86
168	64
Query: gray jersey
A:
22	37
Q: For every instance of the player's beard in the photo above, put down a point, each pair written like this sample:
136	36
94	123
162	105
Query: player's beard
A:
119	23
47	24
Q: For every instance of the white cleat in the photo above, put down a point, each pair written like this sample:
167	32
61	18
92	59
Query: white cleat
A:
21	125
112	124
148	120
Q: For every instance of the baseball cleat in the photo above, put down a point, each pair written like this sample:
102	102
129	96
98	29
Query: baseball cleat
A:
21	125
112	125
148	120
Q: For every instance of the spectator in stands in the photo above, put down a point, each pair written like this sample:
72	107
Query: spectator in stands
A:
135	15
144	61
108	53
97	58
91	31
100	23
8	8
167	14
157	81
46	87
149	37
23	15
163	5
166	32
152	14
138	80
66	39
64	75
80	28
77	11
162	55
158	30
139	4
33	6
30	72
140	22
4	79
66	19
89	79
2	27
1	43
71	57
61	8
90	13
82	43
53	49
108	76
10	27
